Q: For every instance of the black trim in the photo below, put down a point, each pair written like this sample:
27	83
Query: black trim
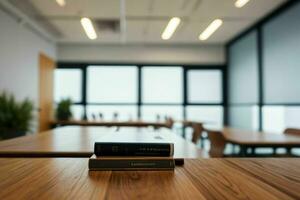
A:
139	103
205	104
84	92
185	93
111	104
226	88
260	77
225	95
188	66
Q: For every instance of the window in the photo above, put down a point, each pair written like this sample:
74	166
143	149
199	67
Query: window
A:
112	84
244	116
67	84
150	93
162	85
210	115
278	118
281	58
204	86
158	113
77	112
243	77
124	113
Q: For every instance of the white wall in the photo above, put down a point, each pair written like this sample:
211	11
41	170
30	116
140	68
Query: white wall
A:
19	60
163	54
19	51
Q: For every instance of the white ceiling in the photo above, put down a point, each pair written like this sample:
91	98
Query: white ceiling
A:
146	19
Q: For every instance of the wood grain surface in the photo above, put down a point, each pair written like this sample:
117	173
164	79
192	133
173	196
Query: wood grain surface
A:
69	178
282	175
76	141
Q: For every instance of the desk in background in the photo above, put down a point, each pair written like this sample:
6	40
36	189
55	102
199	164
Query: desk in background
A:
112	123
77	141
255	139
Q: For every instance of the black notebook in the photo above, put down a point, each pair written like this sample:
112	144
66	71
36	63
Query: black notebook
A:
134	144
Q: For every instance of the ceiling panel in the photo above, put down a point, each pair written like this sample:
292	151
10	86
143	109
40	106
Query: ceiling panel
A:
226	9
137	31
139	7
228	31
71	29
170	8
73	32
155	30
146	19
91	8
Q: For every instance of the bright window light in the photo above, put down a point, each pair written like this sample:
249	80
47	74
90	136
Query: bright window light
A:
162	84
170	29
241	3
112	84
61	3
88	28
210	29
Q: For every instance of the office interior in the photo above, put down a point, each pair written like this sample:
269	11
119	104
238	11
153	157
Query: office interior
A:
224	64
216	80
245	75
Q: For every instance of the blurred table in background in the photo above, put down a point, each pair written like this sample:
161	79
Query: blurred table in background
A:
255	139
111	123
78	141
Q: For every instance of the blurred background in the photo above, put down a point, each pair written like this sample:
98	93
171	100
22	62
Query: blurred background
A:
219	62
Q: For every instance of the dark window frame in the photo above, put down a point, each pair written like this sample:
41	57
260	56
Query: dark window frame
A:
139	104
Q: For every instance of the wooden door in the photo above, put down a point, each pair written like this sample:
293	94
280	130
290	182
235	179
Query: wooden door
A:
46	76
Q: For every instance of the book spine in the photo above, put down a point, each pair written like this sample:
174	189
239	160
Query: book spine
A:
131	165
127	149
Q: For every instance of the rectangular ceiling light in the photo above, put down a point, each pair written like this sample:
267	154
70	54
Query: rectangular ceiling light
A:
170	29
88	28
241	3
61	3
210	29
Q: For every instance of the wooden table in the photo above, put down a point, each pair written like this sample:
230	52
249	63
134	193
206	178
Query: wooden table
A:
69	178
253	139
110	123
74	141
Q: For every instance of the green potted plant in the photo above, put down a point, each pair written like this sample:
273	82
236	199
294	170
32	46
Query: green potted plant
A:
63	110
15	117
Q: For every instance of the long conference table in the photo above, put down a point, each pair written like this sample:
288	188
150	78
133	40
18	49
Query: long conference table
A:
54	165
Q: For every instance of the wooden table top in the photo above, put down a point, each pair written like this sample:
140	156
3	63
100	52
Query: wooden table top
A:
76	141
256	138
69	178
